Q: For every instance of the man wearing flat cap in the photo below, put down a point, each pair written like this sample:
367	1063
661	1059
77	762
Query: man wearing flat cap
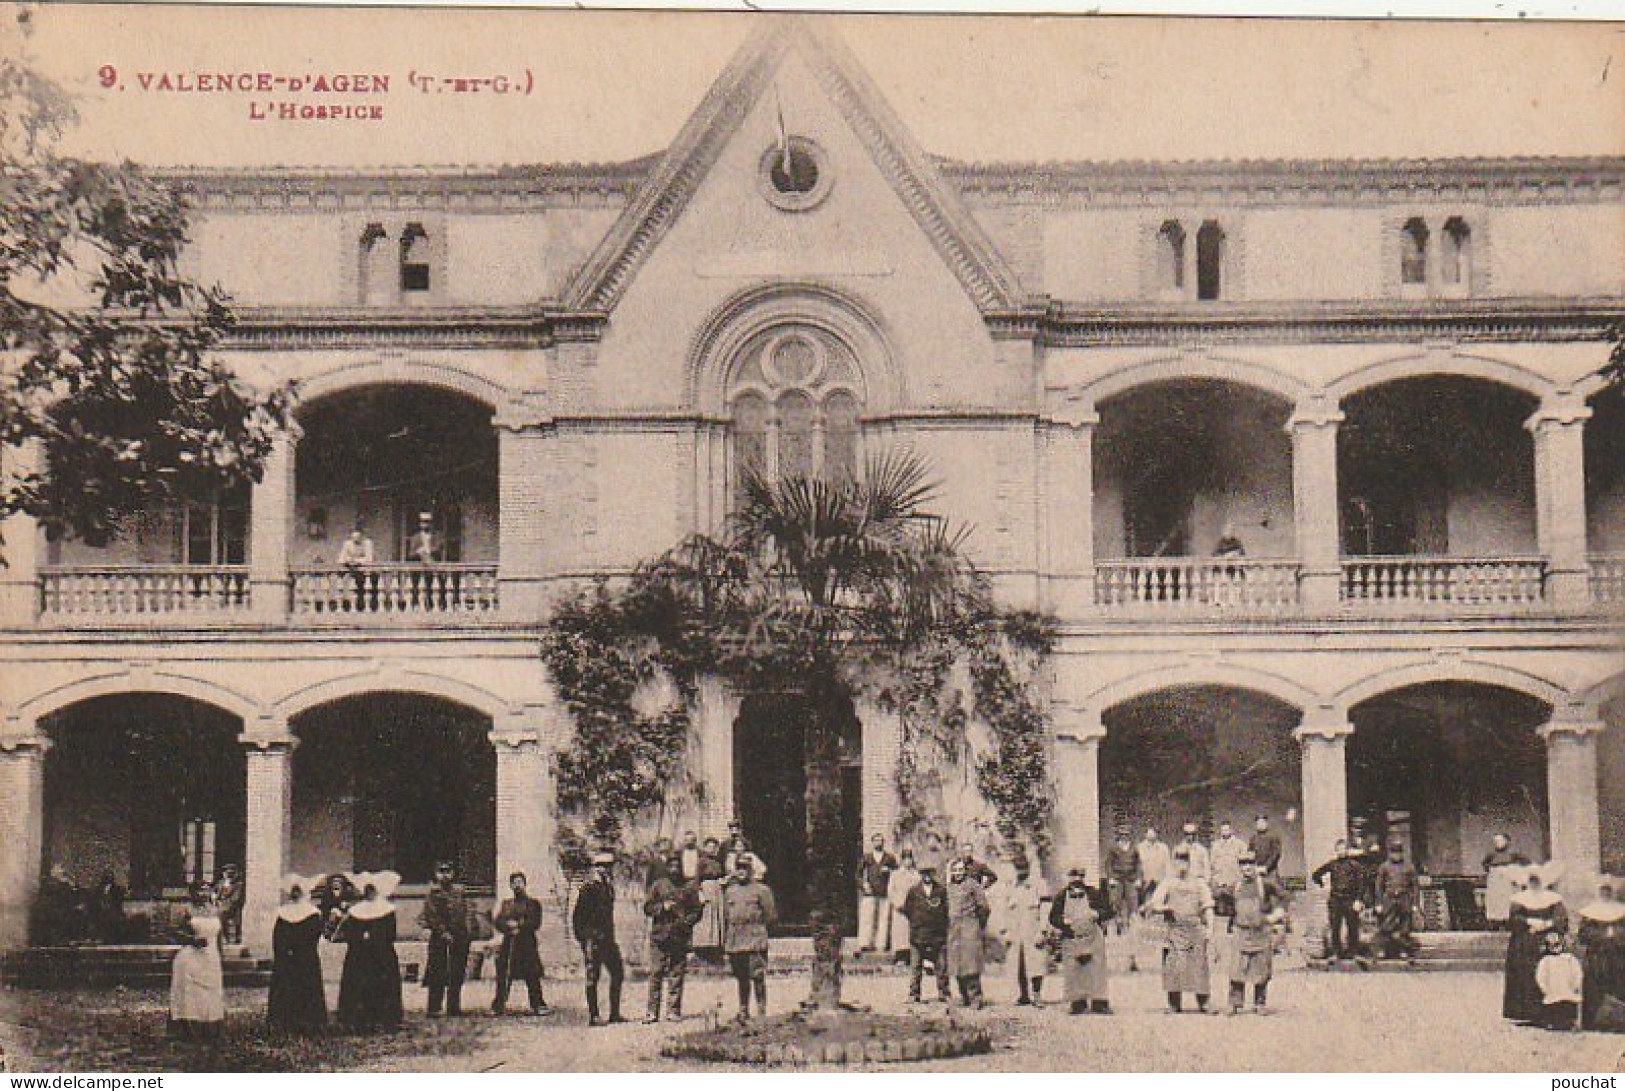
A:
593	923
1259	905
447	918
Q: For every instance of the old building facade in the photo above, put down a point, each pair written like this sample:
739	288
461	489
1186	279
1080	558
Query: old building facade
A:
1309	458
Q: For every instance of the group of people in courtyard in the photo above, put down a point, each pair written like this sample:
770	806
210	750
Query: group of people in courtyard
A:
1215	908
1212	904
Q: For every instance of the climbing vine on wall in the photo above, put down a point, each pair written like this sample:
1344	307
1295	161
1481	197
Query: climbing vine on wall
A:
848	587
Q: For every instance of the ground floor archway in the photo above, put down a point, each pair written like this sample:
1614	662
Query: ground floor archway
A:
1443	766
1205	754
394	780
146	787
771	800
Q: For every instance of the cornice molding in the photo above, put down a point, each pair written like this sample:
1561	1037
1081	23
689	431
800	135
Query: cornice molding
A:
1161	184
292	328
1070	325
494	189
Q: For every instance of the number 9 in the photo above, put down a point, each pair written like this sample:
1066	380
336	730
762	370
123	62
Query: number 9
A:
108	74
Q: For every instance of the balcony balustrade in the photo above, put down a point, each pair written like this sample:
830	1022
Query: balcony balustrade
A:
1188	586
440	591
1608	579
1442	583
143	592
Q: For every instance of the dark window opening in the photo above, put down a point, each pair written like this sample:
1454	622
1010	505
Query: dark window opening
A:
1457	243
1171	254
414	259
1413	259
794	171
1209	260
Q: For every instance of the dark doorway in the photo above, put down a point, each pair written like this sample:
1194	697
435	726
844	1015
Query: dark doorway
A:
770	785
398	781
1442	767
149	787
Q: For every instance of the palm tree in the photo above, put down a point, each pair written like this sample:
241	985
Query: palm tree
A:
825	585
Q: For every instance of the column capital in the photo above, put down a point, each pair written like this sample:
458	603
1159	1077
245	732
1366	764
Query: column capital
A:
1315	410
513	741
258	742
1077	724
1324	725
24	744
1070	409
1578	728
1561	408
525	414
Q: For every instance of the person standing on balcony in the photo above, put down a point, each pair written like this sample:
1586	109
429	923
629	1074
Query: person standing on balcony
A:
357	557
424	549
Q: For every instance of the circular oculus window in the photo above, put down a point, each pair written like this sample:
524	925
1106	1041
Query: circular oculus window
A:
794	176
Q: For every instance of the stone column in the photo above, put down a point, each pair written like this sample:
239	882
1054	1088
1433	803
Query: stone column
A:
1571	799
1560	498
19	549
882	744
1077	790
270	534
1323	736
715	711
526	443
22	832
1069	521
524	833
1315	505
270	828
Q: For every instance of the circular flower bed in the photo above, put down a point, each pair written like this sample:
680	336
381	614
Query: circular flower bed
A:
847	1038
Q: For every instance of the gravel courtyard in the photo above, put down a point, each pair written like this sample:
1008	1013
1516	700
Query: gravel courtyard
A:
1320	1022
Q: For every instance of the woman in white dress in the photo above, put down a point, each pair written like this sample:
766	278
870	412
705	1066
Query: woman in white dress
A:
197	987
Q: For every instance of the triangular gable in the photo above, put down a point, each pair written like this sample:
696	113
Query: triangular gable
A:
964	247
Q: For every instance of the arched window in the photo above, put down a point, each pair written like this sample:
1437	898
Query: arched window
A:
1413	251
795	406
1209	260
840	436
414	259
373	272
1455	265
1171	256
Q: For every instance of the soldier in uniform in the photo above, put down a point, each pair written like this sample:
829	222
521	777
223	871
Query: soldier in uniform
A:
517	921
1259	905
1397	891
446	917
593	923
